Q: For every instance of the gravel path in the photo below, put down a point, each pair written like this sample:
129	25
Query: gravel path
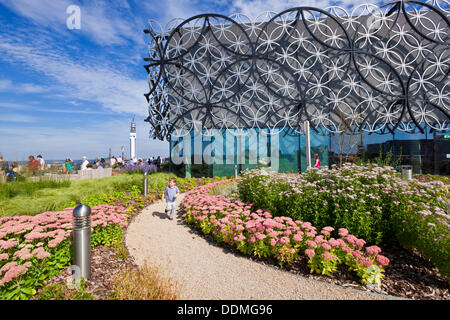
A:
210	272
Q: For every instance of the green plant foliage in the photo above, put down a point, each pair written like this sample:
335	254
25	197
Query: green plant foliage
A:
106	235
57	291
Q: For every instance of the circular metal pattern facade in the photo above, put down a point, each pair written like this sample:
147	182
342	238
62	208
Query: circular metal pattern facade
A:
374	69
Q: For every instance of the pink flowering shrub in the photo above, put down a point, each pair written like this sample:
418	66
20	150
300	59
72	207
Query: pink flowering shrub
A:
34	248
257	232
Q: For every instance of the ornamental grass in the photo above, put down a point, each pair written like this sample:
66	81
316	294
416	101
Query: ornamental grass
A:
145	283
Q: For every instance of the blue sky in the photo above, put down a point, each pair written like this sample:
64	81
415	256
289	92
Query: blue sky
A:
70	93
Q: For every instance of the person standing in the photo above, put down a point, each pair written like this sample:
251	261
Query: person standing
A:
119	160
317	163
84	164
42	164
68	166
33	165
158	162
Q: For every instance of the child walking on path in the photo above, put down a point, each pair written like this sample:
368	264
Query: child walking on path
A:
170	195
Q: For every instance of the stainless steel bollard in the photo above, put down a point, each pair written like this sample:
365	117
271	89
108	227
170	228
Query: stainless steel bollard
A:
235	171
145	186
407	172
82	240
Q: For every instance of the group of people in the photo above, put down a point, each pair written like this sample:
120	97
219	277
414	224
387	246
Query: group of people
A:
113	162
157	161
35	166
85	165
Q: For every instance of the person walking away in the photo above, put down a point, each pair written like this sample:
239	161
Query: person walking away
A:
84	164
42	163
68	166
96	162
317	164
170	196
33	165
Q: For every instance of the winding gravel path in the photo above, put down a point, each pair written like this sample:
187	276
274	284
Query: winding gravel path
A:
210	272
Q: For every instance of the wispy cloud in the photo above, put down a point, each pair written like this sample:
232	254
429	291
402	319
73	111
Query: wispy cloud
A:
8	86
80	79
254	8
18	118
104	23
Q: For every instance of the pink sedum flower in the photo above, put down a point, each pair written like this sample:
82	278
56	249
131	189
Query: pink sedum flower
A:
356	253
327	256
310	253
342	232
360	243
260	236
373	250
311	244
365	261
382	260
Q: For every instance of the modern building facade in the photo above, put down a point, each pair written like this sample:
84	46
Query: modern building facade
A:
231	91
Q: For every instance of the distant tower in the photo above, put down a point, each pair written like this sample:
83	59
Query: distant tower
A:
133	141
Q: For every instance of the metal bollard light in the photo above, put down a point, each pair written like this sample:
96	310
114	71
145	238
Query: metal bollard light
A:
235	171
407	172
82	240
145	184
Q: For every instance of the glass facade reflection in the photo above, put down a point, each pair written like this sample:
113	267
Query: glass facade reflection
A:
217	153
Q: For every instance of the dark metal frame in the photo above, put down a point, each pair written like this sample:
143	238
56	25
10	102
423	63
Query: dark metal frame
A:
384	69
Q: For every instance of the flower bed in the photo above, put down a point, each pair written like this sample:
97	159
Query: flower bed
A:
35	248
372	202
257	232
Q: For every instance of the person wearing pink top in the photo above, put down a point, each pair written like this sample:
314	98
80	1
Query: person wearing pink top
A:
317	164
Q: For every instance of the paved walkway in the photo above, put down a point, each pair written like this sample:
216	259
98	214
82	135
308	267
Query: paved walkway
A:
210	272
